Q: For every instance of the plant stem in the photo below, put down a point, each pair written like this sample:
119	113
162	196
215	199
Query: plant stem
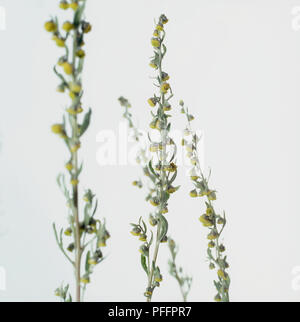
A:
78	248
155	254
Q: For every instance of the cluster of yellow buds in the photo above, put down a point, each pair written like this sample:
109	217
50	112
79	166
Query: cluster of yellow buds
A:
63	293
140	230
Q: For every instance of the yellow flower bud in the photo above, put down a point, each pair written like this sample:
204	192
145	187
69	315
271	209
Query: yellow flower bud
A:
153	124
59	41
212	235
163	19
165	211
212	195
218	298
221	221
172	167
71	247
153	64
67	26
68	232
155	33
222	274
61	88
165	87
85	280
74	182
143	238
68	68
152	101
167	108
75	147
92	261
194	193
155	42
212	266
71	111
211	244
80	53
160	27
209	210
206	221
136	231
50	26
86	27
57	128
72	95
158	278
73	5
221	248
164	240
75	88
102	243
64	5
69	166
171	189
154	202
152	221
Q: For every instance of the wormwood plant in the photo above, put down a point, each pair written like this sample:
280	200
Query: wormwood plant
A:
88	234
161	169
210	219
184	281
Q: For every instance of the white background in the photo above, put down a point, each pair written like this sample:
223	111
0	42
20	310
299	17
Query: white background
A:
236	64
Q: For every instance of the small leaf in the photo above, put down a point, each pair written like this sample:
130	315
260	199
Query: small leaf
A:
87	265
78	15
144	265
152	170
86	122
164	227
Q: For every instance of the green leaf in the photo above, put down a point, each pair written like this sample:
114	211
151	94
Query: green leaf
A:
60	76
79	170
164	227
78	15
144	265
152	170
86	122
151	239
173	177
87	265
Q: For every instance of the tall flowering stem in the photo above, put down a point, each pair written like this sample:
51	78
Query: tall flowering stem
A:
161	168
88	234
210	219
